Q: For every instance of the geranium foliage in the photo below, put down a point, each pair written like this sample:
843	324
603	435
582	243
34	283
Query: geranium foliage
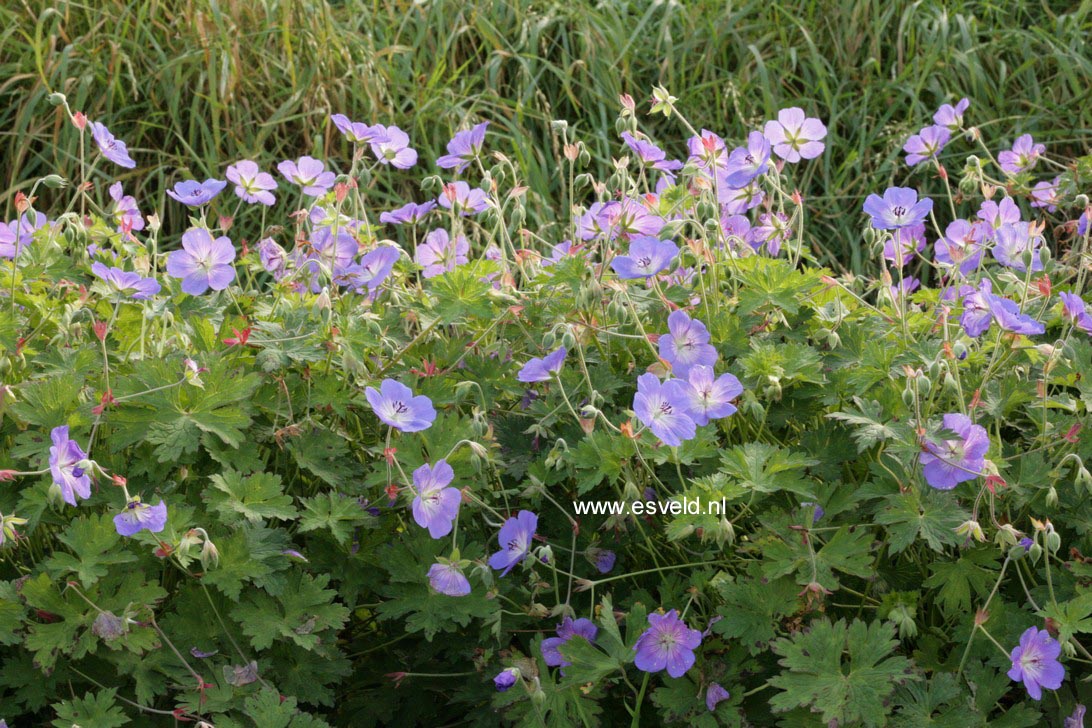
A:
327	458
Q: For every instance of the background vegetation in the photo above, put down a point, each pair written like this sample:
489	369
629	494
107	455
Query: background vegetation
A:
215	81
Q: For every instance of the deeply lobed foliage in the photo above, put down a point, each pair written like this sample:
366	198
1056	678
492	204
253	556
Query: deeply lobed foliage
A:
897	462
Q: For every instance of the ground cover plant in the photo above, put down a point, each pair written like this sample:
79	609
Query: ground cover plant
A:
364	435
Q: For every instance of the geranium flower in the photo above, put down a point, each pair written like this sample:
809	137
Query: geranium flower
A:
464	148
949	463
309	173
410	212
1074	309
746	163
139	516
1012	241
203	263
395	404
647	256
394	149
515	541
192	193
961	246
251	183
651	155
459	196
1007	315
898	208
1045	194
739	201
448	579
602	559
687	344
273	257
357	132
715	694
710	397
998	214
125	211
707	151
663	408
1023	156
667	642
773	230
506	678
439	254
436	505
926	144
125	283
542	369
568	629
976	317
373	269
65	457
1035	662
112	148
904	243
795	136
951	117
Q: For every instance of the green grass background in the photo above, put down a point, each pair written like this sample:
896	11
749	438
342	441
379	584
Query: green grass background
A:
193	85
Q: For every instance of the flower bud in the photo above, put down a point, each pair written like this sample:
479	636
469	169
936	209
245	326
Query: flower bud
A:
725	532
1053	540
57	99
971	529
1035	552
210	556
54	181
1052	497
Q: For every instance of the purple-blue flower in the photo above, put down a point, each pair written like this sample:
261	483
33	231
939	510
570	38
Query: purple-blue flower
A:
1045	194
1023	156
710	397
439	254
112	148
926	144
464	199
664	409
898	208
976	317
737	201
951	117
1013	243
374	268
714	694
1074	309
647	256
138	516
394	148
515	541
203	263
436	505
395	404
602	559
357	132
961	246
997	214
650	154
125	211
410	212
309	173
795	136
464	148
568	629
667	642
773	230
273	257
125	283
904	244
746	163
1007	315
506	678
251	183
65	456
448	579
192	193
542	369
947	464
1035	662
687	344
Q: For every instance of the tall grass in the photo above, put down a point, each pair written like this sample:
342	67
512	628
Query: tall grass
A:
193	85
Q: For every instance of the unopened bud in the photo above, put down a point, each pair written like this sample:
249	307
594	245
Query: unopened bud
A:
54	181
